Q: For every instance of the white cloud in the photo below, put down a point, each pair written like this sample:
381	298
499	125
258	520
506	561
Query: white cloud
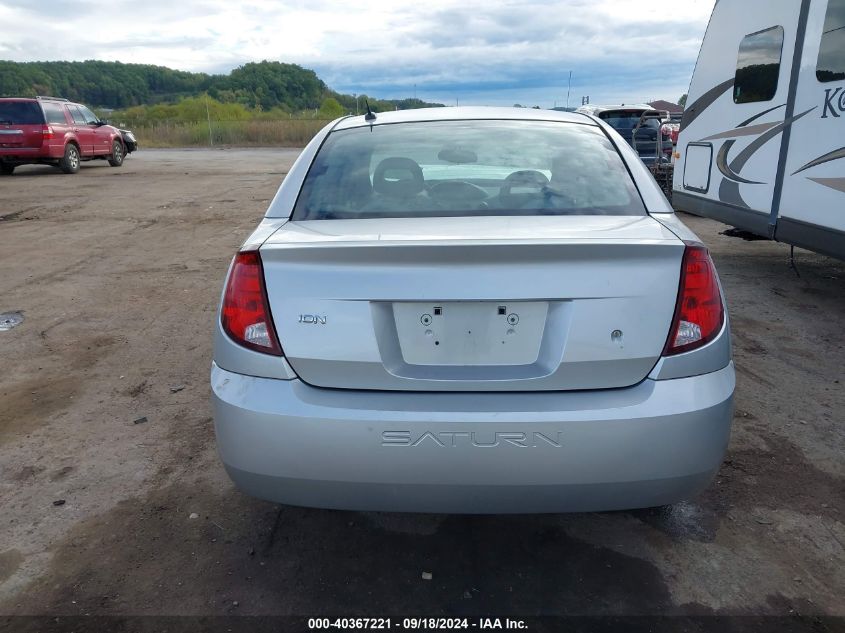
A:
473	50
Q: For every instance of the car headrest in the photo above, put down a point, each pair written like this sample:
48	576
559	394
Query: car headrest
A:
398	178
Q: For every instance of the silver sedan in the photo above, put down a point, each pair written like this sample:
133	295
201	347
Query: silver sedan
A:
472	310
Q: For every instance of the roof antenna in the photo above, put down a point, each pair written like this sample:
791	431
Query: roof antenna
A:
370	116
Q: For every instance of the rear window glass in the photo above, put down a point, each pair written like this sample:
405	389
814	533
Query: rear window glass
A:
627	120
758	66
831	64
467	168
55	113
20	113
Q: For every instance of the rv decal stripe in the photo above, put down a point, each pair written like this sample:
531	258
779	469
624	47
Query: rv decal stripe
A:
745	155
731	170
837	184
834	155
727	172
693	111
742	131
729	193
763	113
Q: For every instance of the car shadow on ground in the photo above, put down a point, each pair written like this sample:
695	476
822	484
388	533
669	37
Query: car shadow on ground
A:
31	171
194	551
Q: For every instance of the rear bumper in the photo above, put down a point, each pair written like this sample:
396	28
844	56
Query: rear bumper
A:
648	445
46	153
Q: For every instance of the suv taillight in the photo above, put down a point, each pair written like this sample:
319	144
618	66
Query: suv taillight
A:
46	133
245	314
699	313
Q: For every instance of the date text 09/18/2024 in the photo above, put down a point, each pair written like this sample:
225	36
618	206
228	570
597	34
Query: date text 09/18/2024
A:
414	624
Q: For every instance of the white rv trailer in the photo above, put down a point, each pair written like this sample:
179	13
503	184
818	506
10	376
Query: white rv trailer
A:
762	143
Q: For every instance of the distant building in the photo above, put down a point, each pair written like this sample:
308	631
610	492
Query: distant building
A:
671	108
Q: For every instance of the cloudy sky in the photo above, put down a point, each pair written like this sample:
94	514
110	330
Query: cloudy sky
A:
473	51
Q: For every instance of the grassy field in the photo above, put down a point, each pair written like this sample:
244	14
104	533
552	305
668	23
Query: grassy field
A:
256	133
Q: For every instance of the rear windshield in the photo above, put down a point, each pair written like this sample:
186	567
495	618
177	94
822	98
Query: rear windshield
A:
467	168
627	120
20	113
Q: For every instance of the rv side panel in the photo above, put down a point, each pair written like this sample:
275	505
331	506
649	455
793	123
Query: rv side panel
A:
812	205
736	113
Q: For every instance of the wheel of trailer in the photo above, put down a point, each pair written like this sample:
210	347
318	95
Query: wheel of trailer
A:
6	170
70	161
116	158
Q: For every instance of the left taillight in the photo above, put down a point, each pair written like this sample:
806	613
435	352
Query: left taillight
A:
245	315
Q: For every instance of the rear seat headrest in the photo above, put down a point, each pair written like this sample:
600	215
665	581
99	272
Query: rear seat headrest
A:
398	178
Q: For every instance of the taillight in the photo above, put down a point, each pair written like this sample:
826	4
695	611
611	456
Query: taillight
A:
245	315
47	133
699	313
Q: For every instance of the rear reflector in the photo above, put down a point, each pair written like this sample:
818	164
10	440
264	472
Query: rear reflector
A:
245	315
699	313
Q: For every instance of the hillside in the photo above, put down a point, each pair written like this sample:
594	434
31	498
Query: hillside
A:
260	86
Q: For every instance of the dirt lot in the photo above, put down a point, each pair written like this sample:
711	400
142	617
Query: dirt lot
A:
117	273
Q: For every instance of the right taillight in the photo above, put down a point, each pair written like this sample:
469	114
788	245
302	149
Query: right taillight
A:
245	314
47	133
699	313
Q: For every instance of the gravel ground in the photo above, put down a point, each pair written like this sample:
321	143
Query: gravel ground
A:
107	447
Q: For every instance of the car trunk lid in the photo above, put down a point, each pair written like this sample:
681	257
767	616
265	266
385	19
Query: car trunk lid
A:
473	304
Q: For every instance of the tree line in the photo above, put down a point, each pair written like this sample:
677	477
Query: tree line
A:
246	92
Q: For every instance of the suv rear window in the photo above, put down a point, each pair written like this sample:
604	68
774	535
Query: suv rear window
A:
627	120
467	168
20	113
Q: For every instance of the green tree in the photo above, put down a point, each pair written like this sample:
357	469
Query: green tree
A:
683	100
331	108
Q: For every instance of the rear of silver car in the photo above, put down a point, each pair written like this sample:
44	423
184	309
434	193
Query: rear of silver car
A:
470	329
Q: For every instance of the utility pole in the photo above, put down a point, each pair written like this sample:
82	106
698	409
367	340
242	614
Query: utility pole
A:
568	90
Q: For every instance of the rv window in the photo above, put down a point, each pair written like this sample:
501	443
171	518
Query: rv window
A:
831	66
758	66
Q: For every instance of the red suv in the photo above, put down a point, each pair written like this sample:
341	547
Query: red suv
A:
52	131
